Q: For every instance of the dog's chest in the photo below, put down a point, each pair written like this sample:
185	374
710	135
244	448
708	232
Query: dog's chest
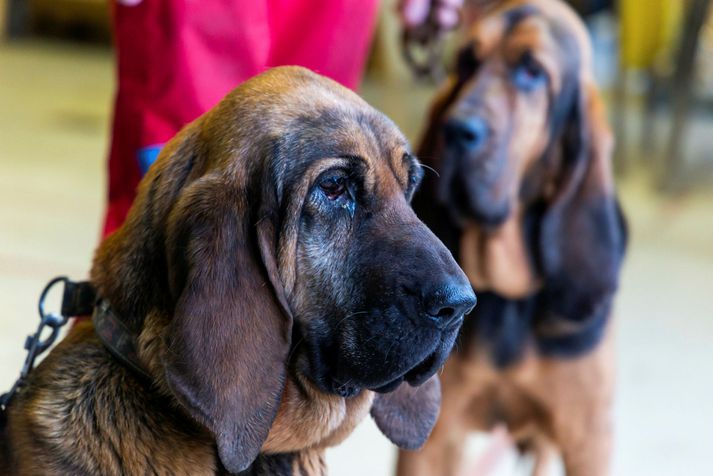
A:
526	394
83	413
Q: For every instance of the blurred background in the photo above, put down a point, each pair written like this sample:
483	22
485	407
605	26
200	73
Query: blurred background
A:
654	60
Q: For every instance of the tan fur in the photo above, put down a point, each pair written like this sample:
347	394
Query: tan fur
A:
552	404
311	463
306	417
208	284
498	260
47	407
549	405
501	264
495	259
310	419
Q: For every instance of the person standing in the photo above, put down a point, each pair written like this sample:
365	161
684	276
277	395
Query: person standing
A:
178	58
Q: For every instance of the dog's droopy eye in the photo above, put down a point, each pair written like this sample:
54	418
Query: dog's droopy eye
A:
528	74
333	186
466	62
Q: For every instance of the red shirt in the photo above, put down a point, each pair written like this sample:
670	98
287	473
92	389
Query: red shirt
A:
178	58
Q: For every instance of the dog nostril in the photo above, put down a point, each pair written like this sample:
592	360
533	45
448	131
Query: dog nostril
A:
448	304
444	317
468	133
445	312
469	136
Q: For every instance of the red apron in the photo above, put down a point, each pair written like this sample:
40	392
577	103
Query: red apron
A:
178	58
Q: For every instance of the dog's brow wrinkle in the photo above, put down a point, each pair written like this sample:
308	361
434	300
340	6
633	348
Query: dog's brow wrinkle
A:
518	14
394	173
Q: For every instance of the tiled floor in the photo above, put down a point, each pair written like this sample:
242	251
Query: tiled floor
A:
54	103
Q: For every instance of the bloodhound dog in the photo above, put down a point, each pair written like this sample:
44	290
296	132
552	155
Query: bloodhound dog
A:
279	287
525	201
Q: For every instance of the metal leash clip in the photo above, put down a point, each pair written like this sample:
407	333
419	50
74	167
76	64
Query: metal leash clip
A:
34	344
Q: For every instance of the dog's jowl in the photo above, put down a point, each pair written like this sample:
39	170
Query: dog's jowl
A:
278	287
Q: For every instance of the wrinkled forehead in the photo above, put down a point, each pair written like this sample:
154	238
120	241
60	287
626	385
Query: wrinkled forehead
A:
338	131
546	28
319	129
293	117
313	115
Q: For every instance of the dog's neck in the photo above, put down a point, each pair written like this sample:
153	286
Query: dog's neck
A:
309	418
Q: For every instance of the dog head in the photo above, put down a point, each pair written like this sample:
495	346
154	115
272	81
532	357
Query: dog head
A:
284	212
525	193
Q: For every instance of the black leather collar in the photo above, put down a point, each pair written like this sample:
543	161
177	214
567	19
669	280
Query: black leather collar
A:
80	299
117	337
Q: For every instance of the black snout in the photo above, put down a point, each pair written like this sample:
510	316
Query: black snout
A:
446	305
466	133
408	304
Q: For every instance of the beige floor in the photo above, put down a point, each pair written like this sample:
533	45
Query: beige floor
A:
54	103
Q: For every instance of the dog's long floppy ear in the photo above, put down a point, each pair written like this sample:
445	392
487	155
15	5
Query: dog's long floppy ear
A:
428	203
406	416
465	67
425	201
582	235
199	245
228	340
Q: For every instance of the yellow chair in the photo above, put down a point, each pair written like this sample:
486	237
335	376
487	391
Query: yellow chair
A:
648	28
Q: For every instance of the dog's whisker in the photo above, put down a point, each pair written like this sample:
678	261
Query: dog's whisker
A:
296	345
393	344
351	315
293	351
428	167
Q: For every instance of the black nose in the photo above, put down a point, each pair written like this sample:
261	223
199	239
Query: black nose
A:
447	304
467	133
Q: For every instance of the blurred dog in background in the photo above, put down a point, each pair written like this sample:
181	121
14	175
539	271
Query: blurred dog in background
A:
525	201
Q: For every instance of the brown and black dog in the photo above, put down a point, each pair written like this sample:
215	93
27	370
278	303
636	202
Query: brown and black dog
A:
526	202
280	287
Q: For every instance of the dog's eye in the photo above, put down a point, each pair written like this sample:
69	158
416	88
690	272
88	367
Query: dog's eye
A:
466	62
333	186
415	175
528	74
